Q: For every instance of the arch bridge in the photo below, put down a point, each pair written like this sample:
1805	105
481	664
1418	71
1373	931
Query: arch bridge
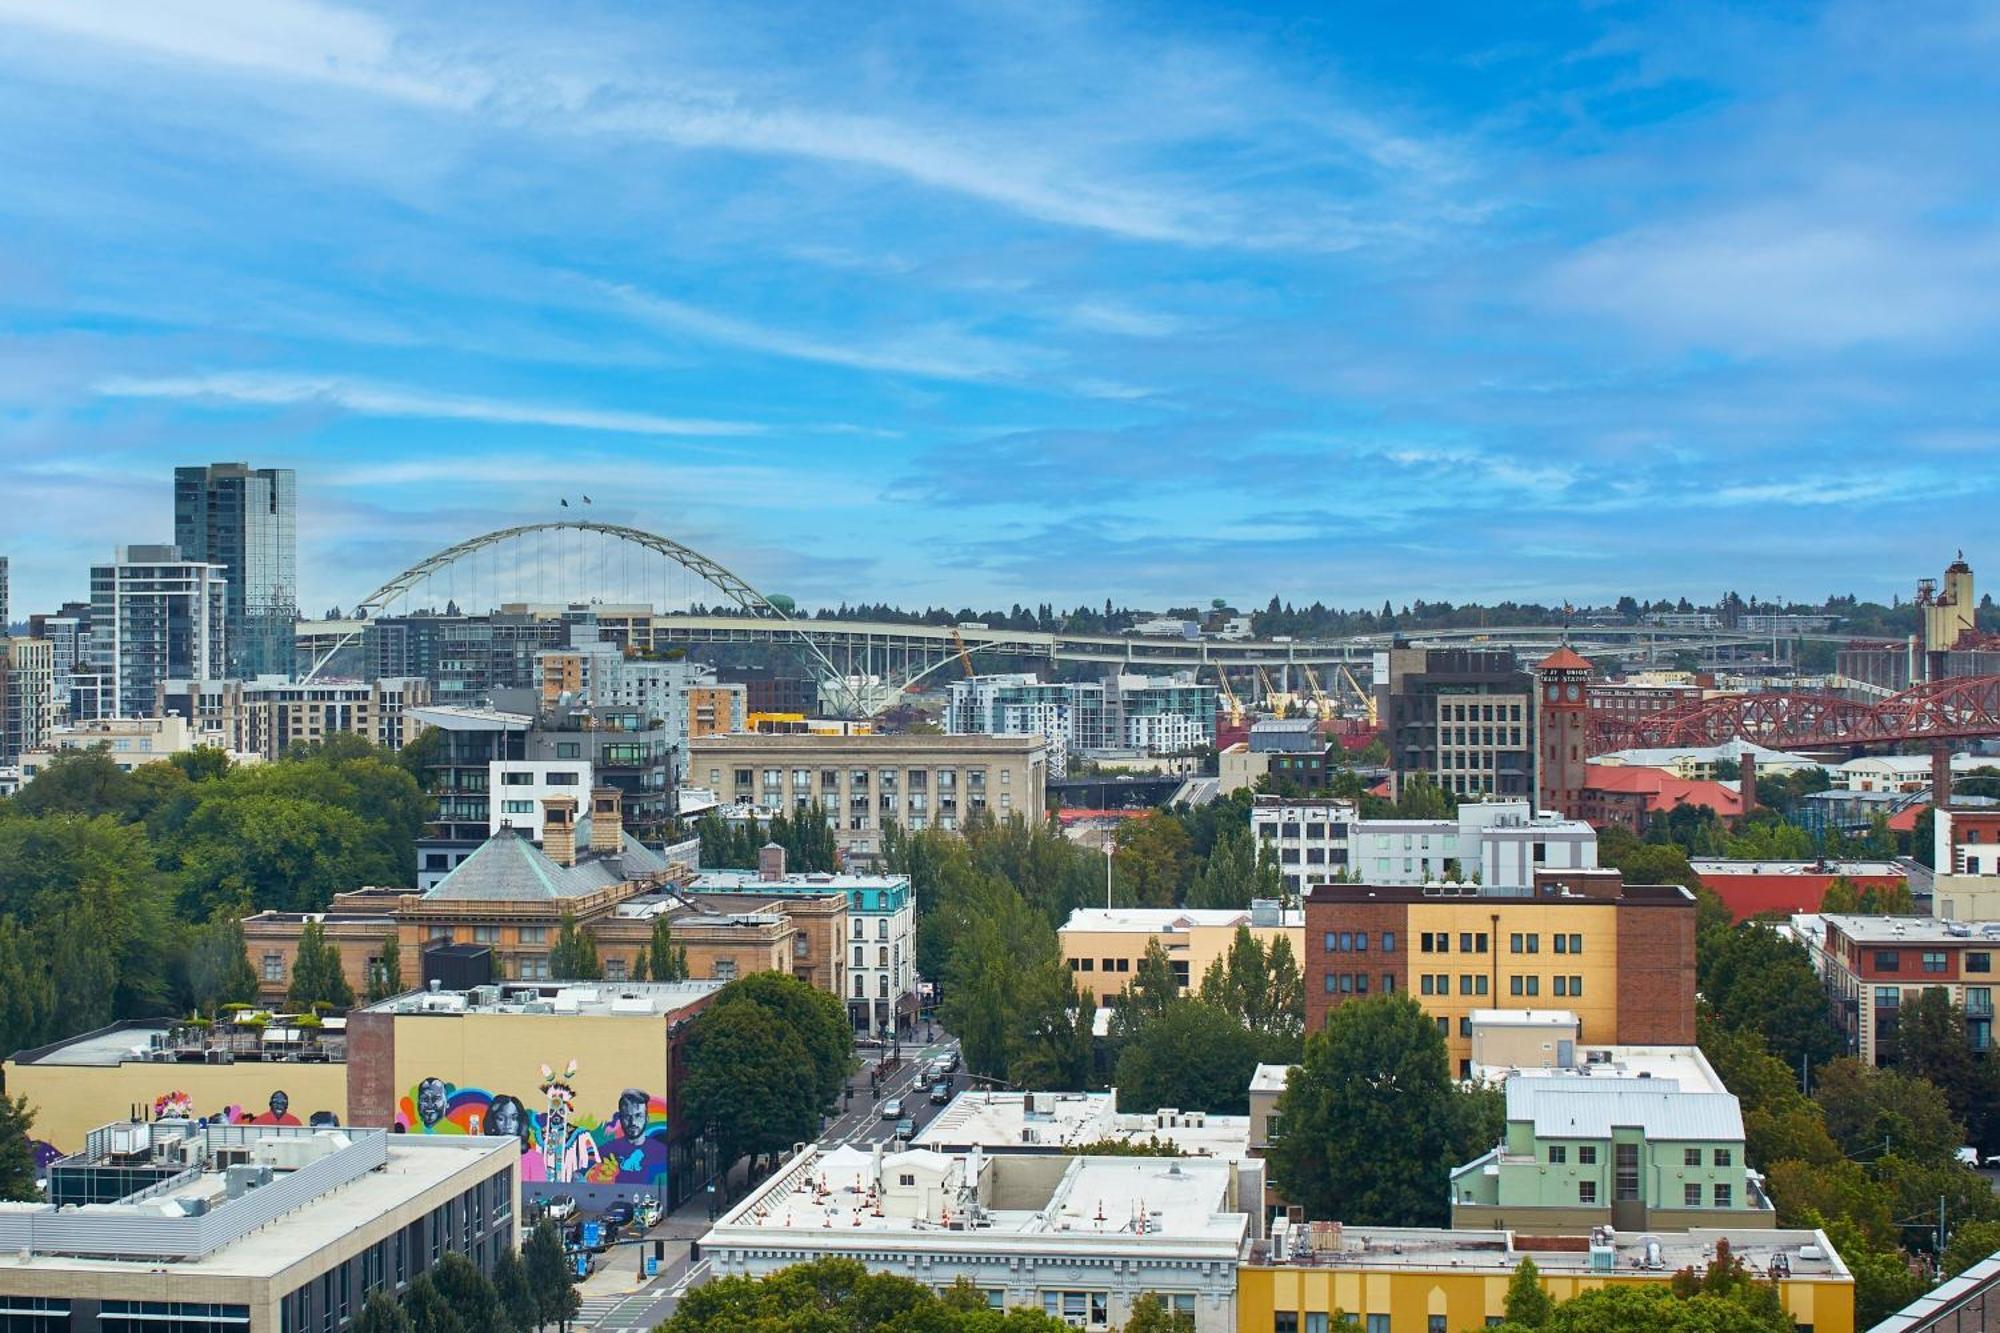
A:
583	558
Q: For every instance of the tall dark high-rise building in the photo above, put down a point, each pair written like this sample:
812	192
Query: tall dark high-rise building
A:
244	519
1464	717
4	621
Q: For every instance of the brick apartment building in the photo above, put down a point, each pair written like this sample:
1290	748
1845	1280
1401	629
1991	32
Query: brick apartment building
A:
1620	956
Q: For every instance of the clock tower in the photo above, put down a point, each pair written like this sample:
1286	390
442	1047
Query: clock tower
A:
1562	723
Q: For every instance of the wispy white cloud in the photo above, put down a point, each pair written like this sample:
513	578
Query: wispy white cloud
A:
936	353
305	40
380	400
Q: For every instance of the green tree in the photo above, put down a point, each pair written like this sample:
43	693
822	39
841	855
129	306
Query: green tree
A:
1867	1108
381	1314
666	961
1528	1303
1261	989
827	1295
1931	1045
1150	1314
549	1275
1973	1243
386	977
516	1292
470	1293
17	1155
1840	896
1754	979
77	782
750	1081
1368	1118
1153	862
1233	872
1883	1282
427	1310
1191	1055
317	974
815	1017
574	954
218	966
1155	987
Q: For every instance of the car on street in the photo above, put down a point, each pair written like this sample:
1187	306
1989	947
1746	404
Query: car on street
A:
892	1109
941	1091
562	1207
906	1129
620	1213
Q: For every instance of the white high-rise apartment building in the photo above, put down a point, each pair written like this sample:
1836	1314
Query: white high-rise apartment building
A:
155	616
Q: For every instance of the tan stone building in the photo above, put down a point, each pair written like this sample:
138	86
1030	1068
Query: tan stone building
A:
863	782
511	896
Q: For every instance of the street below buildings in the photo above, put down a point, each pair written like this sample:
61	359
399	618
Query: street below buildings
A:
618	1298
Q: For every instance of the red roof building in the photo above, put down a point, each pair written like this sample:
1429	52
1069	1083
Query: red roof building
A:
1756	888
1630	794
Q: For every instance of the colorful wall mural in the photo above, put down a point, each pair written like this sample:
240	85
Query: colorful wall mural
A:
560	1141
177	1105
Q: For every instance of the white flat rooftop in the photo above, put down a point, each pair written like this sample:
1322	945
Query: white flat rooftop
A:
414	1165
1270	1078
1002	1122
1718	866
621	998
1866	930
1165	920
1807	1253
1681	1067
833	1194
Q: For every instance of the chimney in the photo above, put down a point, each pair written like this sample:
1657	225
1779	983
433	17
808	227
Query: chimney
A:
559	829
1941	775
1748	787
607	820
770	862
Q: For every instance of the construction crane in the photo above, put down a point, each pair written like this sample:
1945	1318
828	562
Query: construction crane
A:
1279	700
1323	704
1367	699
964	657
1229	697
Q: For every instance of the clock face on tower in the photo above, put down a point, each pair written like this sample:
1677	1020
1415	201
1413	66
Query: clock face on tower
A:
1555	693
1574	692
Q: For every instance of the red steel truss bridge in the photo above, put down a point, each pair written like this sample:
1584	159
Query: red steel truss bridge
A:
1962	708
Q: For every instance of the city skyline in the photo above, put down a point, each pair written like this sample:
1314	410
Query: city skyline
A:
966	307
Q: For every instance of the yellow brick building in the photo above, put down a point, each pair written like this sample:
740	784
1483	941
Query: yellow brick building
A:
1103	948
1435	1281
1618	956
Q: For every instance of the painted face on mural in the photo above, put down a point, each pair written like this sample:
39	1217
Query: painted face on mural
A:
632	1114
280	1103
506	1117
431	1101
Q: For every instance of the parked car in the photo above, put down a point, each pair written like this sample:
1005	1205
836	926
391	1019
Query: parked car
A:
941	1091
892	1109
620	1213
906	1129
562	1207
647	1212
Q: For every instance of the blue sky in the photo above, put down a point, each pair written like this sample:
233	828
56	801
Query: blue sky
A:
976	303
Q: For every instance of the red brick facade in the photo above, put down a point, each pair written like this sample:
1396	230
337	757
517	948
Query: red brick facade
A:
1387	969
1656	973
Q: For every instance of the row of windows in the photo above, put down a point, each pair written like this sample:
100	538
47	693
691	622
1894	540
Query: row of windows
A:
1469	941
1356	983
1469	983
1531	942
1356	941
1570	987
1891	960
